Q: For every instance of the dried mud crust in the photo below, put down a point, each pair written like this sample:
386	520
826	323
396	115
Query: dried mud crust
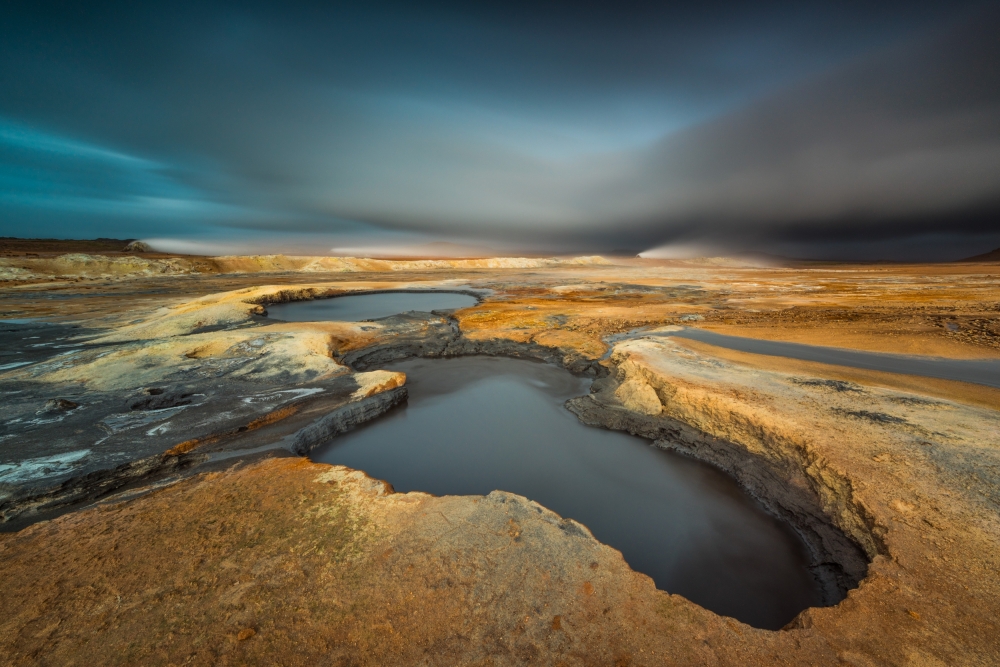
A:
447	582
247	577
306	564
311	564
969	329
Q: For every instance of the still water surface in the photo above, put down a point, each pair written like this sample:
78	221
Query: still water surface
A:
475	424
368	306
978	371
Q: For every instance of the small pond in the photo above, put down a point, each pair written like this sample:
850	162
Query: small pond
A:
475	424
372	306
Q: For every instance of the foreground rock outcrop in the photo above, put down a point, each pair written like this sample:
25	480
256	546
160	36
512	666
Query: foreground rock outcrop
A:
308	564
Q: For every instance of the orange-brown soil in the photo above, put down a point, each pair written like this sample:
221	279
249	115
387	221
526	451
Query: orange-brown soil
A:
287	562
948	310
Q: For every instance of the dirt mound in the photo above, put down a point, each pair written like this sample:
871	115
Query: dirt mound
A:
991	256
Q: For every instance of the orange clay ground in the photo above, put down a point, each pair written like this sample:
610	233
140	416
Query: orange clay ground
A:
282	561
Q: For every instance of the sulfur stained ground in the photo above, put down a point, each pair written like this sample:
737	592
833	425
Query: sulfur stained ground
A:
288	562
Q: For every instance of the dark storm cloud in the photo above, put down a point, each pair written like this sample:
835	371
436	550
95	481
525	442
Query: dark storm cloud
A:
903	143
561	126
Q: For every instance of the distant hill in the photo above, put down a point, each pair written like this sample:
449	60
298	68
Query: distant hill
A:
765	259
11	245
991	256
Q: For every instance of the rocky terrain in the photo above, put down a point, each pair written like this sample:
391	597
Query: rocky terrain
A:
158	511
34	268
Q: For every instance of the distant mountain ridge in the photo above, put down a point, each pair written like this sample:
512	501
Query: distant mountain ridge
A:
10	245
991	256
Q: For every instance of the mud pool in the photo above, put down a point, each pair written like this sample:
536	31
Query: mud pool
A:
475	424
359	307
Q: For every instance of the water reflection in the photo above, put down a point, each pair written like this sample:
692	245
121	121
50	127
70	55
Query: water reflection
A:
368	306
476	424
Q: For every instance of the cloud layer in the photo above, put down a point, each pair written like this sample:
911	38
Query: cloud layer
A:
849	130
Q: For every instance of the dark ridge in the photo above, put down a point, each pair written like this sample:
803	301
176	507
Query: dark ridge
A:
11	244
991	256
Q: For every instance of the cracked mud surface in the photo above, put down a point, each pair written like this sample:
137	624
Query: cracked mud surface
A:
199	550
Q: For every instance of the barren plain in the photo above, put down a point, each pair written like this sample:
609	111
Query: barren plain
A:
158	508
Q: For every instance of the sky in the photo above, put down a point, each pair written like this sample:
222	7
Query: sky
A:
838	130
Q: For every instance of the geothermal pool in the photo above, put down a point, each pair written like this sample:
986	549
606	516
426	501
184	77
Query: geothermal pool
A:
356	308
475	424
